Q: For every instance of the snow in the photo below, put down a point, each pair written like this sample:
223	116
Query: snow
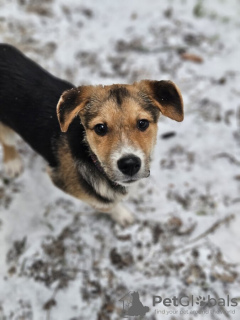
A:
61	260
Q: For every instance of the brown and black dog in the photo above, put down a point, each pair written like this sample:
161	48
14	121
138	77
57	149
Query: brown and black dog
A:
97	140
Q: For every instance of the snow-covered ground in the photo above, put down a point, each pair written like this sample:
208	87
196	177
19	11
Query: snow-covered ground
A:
58	259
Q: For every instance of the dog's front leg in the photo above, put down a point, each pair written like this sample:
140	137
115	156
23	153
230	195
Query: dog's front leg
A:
119	214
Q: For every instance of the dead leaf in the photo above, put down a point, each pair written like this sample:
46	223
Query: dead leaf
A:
191	57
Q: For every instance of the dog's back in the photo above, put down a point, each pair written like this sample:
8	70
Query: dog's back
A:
28	100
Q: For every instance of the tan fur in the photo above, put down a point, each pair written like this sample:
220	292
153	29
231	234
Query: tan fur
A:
7	139
9	153
11	158
65	176
7	135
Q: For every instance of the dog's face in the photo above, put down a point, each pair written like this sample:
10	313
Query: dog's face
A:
121	123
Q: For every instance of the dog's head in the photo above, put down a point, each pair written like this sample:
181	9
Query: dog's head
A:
135	295
121	122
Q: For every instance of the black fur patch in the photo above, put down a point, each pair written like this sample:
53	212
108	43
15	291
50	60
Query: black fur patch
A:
166	94
153	110
119	94
28	100
148	106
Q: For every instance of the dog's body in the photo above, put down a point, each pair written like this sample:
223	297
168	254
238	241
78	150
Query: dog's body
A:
97	157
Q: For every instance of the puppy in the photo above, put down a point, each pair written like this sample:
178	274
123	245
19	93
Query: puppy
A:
97	140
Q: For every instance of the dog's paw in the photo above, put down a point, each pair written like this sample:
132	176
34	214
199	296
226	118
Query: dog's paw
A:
13	168
122	216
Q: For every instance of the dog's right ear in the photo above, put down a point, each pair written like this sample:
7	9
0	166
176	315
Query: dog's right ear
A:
70	104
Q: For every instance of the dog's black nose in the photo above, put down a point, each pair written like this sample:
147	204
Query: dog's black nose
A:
129	165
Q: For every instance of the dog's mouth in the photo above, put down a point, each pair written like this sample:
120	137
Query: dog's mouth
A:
127	182
132	180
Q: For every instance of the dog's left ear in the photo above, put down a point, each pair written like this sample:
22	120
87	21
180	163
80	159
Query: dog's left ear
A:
70	104
166	96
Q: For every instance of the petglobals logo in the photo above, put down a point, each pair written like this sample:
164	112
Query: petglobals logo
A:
132	306
186	301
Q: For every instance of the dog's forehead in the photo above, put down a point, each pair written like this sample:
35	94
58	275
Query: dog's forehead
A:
112	96
118	97
113	103
114	92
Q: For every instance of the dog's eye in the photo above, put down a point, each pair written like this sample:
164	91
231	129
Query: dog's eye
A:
101	129
142	124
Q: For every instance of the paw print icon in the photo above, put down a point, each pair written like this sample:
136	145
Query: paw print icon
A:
201	301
